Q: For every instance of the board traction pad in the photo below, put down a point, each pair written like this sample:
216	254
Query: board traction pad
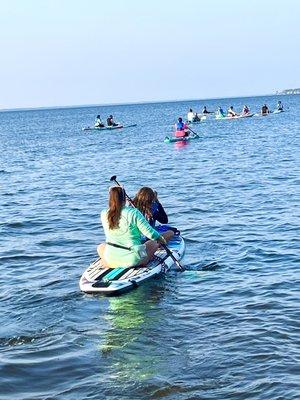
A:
97	272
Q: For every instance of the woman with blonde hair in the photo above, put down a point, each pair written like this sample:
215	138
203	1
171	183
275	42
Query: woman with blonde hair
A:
147	202
123	227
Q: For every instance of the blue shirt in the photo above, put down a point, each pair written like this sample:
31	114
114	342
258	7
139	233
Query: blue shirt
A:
180	126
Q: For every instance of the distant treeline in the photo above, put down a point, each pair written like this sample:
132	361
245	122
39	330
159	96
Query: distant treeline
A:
289	91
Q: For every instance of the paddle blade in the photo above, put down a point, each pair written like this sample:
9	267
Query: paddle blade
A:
169	252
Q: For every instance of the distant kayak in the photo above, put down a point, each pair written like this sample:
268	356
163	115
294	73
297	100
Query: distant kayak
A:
248	115
173	139
107	128
278	111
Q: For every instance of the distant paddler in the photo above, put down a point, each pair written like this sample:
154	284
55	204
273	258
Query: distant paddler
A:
181	128
111	122
279	106
98	122
205	111
265	110
196	118
246	110
231	113
220	113
190	116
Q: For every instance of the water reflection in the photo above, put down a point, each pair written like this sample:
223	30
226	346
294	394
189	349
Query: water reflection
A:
179	145
129	315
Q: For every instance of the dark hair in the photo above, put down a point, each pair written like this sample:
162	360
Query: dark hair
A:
116	201
191	110
180	119
143	201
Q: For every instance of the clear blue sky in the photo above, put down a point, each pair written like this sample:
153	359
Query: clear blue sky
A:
62	52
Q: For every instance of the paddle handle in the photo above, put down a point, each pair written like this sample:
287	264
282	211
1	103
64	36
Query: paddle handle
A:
113	179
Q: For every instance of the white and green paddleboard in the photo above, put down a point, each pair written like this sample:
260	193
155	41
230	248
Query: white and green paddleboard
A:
113	281
107	128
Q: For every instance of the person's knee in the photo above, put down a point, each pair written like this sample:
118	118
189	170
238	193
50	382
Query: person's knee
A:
168	235
100	249
151	246
155	246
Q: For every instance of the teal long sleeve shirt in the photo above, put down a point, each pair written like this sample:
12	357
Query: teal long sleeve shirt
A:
132	226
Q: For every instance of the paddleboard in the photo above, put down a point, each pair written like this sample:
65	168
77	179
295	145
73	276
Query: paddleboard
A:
173	139
262	115
236	117
107	128
113	281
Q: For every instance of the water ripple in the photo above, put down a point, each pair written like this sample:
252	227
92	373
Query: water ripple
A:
225	328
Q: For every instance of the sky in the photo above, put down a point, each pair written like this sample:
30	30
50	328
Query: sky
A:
62	52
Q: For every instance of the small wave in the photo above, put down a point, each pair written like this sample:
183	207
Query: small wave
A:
22	339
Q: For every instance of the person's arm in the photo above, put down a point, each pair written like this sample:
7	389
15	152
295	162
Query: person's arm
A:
160	214
144	227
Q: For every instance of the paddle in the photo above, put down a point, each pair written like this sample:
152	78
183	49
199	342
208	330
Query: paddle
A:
195	133
169	252
114	179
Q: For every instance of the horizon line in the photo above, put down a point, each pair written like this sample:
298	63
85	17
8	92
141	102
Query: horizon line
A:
127	103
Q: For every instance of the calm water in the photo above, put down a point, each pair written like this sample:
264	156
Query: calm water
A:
229	333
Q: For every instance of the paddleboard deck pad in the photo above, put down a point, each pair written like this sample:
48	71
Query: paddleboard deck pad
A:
97	279
107	128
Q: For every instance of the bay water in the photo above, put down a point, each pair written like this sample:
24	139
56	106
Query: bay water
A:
230	332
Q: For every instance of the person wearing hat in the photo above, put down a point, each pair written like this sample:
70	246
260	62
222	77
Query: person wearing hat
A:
110	121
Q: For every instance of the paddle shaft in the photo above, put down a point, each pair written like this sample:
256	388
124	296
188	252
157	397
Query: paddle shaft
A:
193	131
169	252
113	179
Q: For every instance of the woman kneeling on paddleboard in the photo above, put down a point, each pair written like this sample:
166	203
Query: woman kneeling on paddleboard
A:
181	128
147	202
123	227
